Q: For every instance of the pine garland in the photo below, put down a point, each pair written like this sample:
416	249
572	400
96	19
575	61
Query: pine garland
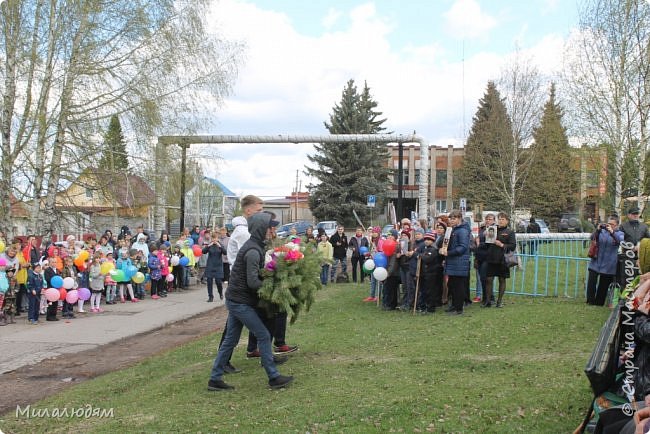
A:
291	279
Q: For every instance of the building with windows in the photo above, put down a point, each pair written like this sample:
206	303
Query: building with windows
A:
444	163
209	202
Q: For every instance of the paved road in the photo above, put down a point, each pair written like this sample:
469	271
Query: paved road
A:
24	344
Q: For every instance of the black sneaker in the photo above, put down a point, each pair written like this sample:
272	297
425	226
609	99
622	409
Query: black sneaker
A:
215	385
280	382
279	360
455	312
230	369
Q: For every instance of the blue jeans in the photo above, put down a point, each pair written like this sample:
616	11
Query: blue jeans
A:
186	276
335	265
373	286
240	315
324	273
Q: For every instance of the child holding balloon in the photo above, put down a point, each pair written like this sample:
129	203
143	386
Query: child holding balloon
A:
138	278
52	280
125	265
154	271
69	282
111	285
83	275
164	270
96	284
177	270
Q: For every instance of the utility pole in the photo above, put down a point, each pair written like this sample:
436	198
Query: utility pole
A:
183	164
295	217
400	180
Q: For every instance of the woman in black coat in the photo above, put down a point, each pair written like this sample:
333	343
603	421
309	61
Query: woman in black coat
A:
214	266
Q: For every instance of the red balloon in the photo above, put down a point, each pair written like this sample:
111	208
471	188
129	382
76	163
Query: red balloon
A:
62	293
389	247
197	251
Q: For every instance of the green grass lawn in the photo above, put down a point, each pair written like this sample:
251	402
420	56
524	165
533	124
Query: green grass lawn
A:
360	369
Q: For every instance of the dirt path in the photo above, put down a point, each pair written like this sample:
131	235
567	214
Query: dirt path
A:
32	383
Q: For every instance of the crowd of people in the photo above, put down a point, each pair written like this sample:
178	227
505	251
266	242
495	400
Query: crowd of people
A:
111	269
429	268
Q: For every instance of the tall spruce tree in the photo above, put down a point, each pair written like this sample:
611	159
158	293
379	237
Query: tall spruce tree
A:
349	172
552	183
114	157
485	176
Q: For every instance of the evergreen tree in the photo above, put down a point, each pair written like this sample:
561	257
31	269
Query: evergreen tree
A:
552	183
349	172
485	176
114	157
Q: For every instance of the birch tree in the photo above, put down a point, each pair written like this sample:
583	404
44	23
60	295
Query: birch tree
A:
522	87
606	78
69	65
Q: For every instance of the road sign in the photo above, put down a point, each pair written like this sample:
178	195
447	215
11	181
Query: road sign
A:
372	200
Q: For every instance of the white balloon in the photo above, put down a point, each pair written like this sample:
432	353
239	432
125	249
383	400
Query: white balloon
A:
174	260
369	265
68	283
380	274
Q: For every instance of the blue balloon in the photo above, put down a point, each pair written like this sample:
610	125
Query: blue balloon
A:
57	282
147	277
130	271
380	260
363	250
184	261
190	242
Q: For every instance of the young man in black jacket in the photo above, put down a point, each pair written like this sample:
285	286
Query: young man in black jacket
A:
340	243
241	300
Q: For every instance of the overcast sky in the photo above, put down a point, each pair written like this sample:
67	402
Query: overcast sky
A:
427	63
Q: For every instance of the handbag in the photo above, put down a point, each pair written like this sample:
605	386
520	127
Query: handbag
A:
511	259
601	366
593	248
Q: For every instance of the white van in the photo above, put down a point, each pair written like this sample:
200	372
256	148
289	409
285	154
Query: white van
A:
329	226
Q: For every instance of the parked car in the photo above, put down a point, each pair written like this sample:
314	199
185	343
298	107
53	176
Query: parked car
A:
329	226
569	222
523	225
285	230
386	230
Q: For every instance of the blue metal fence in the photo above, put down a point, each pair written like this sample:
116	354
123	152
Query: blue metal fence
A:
552	264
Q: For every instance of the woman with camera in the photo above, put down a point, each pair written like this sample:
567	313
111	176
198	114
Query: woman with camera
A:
602	268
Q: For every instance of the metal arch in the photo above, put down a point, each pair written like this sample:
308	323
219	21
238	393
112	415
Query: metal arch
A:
423	196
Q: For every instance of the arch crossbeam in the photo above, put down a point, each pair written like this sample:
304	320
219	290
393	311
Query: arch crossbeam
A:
423	196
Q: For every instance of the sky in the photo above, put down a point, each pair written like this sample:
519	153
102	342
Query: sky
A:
426	62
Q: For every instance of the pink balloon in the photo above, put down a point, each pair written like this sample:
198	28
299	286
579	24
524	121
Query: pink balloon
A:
170	278
72	297
52	294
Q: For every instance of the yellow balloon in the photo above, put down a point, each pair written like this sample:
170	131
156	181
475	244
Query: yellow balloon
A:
84	255
106	267
138	277
2	246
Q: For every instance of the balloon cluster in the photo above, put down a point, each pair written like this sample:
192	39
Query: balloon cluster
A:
377	265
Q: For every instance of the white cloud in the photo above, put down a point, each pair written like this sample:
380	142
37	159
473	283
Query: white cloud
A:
466	20
290	82
331	18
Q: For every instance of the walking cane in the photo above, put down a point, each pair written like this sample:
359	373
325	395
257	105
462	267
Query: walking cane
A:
380	289
417	284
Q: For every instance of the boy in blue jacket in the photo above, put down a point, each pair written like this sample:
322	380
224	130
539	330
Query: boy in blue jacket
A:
34	288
